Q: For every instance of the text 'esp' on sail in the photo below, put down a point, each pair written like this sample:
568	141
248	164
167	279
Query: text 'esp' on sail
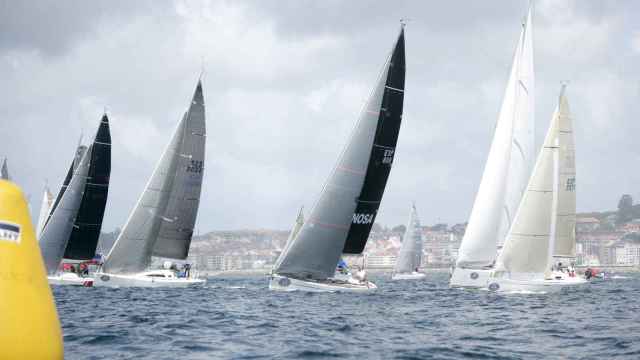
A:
345	211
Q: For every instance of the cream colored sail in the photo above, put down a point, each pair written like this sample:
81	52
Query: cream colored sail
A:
530	243
565	240
508	166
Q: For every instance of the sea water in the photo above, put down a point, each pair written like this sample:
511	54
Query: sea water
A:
239	318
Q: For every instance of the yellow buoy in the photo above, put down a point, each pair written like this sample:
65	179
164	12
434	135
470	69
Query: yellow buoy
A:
29	325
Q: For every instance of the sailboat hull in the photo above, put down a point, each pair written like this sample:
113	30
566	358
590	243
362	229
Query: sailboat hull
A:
284	283
534	286
469	278
409	276
154	278
69	278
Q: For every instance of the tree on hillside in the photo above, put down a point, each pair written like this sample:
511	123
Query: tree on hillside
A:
625	209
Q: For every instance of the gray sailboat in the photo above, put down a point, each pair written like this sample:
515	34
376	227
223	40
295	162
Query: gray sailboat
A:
57	230
163	220
410	256
346	209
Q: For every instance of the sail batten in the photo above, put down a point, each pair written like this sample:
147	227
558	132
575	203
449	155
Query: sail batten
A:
342	217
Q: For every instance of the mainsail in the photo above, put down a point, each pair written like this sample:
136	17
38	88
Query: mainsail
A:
410	256
176	231
565	239
45	209
4	171
346	209
530	245
509	162
86	230
55	235
174	186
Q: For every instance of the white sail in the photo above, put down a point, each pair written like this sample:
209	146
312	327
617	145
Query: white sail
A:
530	244
132	251
410	256
45	208
565	239
508	163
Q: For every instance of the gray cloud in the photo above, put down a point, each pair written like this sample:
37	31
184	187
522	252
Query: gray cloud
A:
284	83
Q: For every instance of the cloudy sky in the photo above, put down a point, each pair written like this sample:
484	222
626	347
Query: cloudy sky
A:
284	82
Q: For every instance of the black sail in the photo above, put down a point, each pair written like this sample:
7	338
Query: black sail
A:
86	231
382	153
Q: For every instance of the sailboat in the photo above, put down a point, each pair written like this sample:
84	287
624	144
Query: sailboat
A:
162	222
59	225
82	242
4	171
505	174
341	220
410	256
545	221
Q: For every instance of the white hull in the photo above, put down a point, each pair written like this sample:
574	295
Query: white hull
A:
469	278
409	276
534	286
157	278
68	278
283	283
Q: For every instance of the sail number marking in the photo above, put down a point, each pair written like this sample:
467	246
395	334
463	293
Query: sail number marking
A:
195	166
362	218
387	157
571	184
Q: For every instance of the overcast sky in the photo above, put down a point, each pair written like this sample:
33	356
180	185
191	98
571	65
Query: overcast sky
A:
284	82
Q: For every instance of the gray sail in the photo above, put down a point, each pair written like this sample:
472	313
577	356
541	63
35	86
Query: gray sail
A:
55	235
410	256
175	233
315	251
132	250
4	171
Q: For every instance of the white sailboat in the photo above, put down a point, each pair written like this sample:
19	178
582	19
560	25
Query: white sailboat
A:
341	220
545	221
505	174
410	257
4	170
163	220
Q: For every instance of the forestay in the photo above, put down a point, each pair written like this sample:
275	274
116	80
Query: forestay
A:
350	198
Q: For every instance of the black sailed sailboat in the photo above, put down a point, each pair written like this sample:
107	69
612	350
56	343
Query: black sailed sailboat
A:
86	231
346	209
